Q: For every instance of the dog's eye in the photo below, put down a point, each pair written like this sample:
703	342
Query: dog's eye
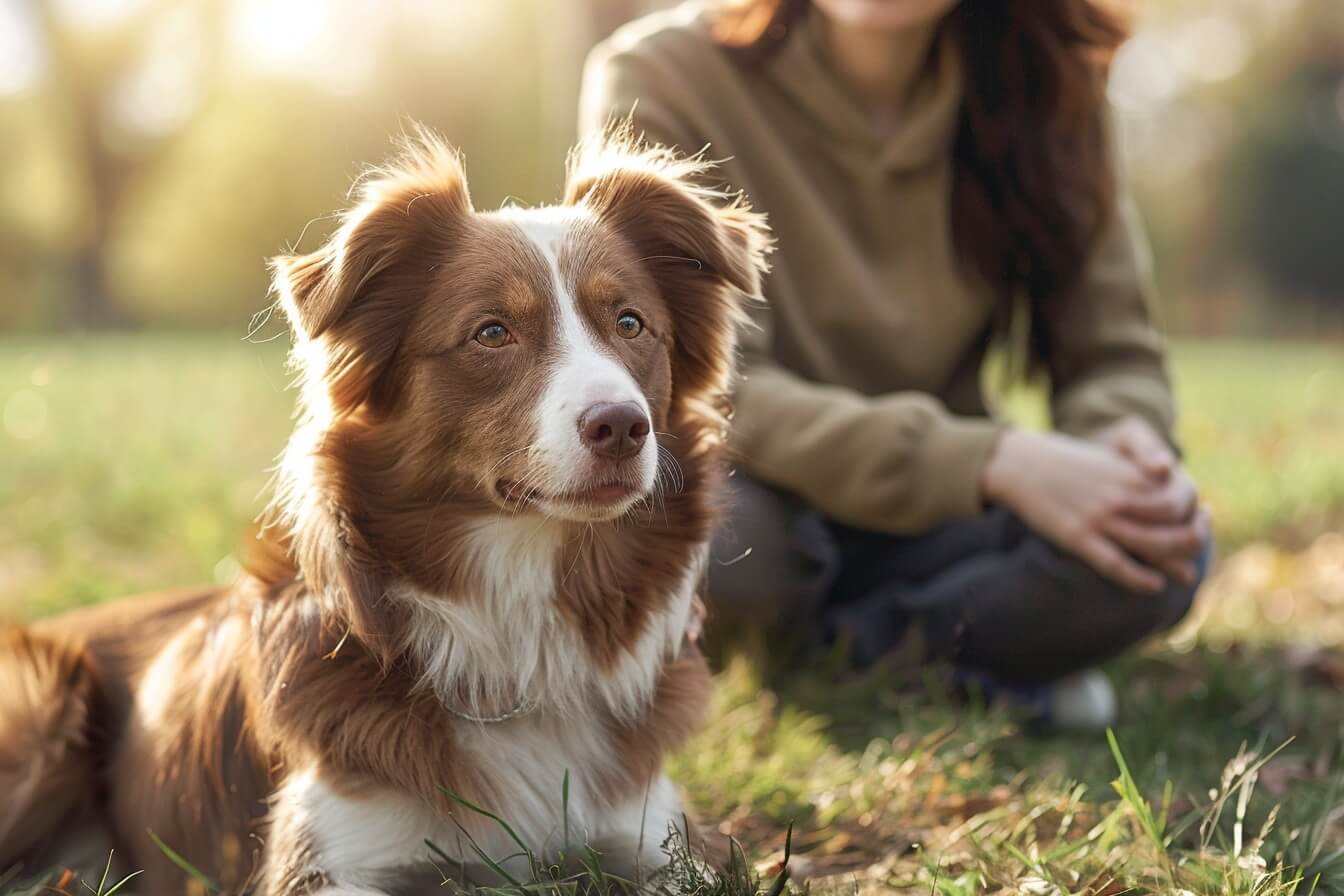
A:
629	325
494	336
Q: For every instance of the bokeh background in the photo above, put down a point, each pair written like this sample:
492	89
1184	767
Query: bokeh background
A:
154	152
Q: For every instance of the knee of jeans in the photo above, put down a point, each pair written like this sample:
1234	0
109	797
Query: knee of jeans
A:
1177	598
1146	611
1172	604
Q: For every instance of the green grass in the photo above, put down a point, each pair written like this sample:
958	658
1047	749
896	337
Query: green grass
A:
131	463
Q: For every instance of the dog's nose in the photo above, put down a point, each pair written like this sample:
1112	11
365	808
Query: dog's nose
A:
614	429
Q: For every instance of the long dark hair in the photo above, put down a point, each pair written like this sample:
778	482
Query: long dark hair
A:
1034	176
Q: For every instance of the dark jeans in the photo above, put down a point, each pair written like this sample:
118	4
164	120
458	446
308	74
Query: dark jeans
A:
989	594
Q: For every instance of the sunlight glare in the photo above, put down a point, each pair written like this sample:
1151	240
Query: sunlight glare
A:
276	35
21	57
95	14
332	44
1142	75
1211	48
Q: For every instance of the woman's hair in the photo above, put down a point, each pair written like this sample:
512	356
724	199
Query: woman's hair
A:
1034	184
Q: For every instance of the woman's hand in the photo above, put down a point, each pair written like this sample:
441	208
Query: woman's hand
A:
1169	533
1135	439
1132	517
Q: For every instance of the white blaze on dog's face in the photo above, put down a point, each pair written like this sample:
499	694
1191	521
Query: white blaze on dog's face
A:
528	357
595	450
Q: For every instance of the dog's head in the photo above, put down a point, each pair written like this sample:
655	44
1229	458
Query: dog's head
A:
530	354
525	360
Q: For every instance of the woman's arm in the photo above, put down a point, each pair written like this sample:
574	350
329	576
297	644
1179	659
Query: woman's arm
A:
894	463
1106	357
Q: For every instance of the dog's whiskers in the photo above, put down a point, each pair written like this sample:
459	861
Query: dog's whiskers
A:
578	553
673	468
524	484
625	267
502	460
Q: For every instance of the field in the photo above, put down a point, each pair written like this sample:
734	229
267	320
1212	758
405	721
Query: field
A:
131	463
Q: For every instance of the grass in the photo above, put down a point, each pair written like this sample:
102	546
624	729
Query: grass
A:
131	463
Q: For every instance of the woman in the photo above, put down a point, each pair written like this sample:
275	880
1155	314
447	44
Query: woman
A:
938	175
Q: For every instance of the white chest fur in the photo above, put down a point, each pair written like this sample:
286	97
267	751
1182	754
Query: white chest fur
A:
508	644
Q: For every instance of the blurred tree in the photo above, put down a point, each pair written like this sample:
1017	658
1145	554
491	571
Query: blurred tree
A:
93	70
170	146
1239	163
1287	175
1281	187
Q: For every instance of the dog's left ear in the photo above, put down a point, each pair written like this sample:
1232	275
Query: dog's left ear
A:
705	249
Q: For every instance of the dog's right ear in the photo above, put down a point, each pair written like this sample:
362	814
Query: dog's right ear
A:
422	190
704	249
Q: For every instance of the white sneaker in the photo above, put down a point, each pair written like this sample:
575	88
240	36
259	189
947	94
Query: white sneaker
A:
1084	701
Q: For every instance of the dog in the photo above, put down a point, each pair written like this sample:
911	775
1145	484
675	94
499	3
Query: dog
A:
476	586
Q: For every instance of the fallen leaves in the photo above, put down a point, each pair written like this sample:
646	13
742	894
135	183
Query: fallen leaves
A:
1267	593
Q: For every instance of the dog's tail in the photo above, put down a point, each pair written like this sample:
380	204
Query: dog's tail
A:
48	697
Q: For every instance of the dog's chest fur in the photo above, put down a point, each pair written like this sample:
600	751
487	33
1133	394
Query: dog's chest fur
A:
508	649
510	644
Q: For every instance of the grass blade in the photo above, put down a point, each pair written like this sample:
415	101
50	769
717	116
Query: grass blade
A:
485	857
121	883
782	879
183	864
1128	789
504	825
564	806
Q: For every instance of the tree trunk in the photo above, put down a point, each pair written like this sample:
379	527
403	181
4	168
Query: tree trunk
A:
93	307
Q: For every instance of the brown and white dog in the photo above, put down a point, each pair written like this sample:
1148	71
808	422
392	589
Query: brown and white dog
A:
491	523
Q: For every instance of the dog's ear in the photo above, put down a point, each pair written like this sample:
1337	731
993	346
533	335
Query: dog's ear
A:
349	304
705	249
353	291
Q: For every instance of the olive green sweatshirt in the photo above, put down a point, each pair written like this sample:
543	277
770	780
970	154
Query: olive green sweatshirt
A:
861	385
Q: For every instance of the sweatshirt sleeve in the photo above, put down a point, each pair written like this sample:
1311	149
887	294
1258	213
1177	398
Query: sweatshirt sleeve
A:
1106	356
897	463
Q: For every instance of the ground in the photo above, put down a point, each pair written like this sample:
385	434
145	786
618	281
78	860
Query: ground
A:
132	463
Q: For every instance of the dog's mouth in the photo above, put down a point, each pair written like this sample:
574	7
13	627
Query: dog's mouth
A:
599	496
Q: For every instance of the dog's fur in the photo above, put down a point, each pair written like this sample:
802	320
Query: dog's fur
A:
444	550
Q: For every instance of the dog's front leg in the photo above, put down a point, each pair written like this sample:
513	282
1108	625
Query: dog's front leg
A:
631	845
351	840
